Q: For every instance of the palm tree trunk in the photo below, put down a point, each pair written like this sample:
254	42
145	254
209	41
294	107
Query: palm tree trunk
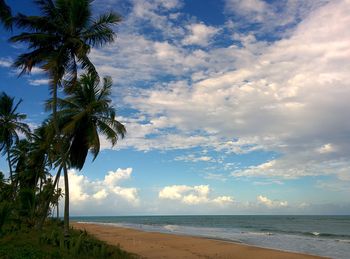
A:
47	204
62	154
14	186
58	198
9	161
66	202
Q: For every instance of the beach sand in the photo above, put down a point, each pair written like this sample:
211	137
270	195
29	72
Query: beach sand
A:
160	245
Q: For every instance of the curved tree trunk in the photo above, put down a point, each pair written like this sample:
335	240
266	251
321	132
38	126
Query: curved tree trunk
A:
63	158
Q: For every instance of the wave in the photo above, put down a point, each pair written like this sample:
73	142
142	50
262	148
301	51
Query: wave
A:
171	228
326	235
257	233
343	240
310	234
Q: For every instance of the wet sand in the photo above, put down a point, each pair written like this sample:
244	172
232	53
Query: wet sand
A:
160	245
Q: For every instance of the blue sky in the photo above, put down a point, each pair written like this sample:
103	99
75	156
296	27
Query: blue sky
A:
231	107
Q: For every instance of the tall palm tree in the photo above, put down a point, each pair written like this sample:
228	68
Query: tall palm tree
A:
5	15
11	124
85	113
60	41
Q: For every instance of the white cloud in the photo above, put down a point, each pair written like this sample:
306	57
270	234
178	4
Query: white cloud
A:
113	178
335	185
193	158
37	71
215	176
106	195
77	187
192	199
200	34
223	200
151	13
192	195
344	174
268	182
298	165
173	192
255	8
101	194
5	62
270	203
169	4
270	17
130	194
326	148
37	82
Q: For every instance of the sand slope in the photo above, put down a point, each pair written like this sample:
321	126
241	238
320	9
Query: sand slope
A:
159	245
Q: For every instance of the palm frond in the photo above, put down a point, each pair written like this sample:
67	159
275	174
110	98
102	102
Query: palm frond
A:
100	32
5	15
109	132
95	143
29	60
87	65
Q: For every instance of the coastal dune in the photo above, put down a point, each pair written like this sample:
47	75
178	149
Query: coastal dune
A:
161	245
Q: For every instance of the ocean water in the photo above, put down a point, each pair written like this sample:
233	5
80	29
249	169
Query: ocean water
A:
318	235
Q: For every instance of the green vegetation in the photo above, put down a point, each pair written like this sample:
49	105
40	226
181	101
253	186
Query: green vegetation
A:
58	42
51	243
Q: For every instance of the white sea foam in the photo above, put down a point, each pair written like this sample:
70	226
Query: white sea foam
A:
343	240
171	228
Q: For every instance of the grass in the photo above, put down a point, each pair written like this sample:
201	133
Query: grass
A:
50	243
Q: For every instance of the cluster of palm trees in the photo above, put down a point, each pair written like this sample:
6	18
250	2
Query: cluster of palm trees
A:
59	41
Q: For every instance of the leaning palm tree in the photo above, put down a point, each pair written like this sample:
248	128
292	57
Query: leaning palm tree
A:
85	113
11	124
5	15
60	41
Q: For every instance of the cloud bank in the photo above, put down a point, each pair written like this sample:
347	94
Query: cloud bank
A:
101	197
287	96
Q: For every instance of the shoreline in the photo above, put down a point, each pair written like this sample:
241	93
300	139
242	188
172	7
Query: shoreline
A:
168	245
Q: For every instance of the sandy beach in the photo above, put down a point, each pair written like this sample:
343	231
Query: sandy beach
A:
160	245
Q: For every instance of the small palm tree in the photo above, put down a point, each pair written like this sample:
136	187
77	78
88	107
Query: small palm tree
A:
31	171
11	124
85	113
5	15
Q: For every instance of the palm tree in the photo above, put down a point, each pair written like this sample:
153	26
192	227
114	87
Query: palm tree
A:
32	159
11	124
5	15
60	41
85	113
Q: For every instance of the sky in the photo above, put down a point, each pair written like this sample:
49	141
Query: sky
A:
231	107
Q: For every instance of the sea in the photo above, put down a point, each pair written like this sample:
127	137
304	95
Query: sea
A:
327	236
